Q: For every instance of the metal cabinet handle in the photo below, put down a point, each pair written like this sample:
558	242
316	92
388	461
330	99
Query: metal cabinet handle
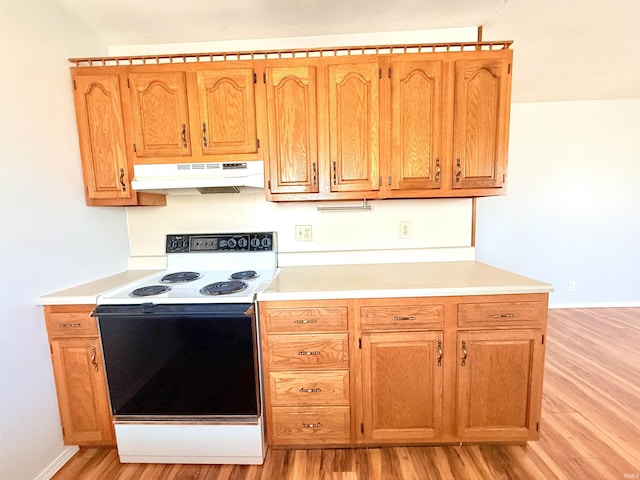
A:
204	135
310	390
311	425
505	315
124	185
335	173
315	174
184	135
310	320
404	318
316	352
459	172
66	325
440	353
93	358
464	353
437	179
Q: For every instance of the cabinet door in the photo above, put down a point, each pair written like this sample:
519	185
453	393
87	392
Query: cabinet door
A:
227	108
354	127
402	383
101	133
82	392
481	122
293	129
160	114
416	125
499	384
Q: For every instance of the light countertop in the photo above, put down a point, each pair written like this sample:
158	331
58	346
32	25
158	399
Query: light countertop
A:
397	280
87	293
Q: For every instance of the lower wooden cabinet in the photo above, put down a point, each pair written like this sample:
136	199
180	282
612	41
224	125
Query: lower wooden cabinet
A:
402	385
80	381
404	370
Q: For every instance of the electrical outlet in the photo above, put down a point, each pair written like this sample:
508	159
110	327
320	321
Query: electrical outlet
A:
303	233
571	286
405	229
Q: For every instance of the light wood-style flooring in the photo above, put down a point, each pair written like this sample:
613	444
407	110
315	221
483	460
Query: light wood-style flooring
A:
590	425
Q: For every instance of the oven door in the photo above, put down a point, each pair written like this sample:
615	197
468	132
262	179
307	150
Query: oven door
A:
181	361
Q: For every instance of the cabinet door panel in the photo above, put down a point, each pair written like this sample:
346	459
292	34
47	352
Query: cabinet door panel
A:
416	125
160	114
354	127
496	381
101	134
82	393
402	383
292	126
227	111
481	125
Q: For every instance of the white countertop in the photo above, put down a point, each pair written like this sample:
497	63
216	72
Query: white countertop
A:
87	293
397	280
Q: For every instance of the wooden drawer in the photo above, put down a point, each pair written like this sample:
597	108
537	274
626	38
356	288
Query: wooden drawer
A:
309	388
401	317
501	314
310	425
325	351
320	319
71	324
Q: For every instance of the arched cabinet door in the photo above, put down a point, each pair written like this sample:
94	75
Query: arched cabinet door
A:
292	126
354	127
417	112
481	122
160	114
227	111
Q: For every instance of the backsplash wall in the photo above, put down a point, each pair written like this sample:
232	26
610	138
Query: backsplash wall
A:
434	223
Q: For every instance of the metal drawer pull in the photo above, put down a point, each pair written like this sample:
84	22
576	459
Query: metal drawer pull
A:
310	390
93	358
404	318
505	315
309	353
311	320
311	425
464	353
65	325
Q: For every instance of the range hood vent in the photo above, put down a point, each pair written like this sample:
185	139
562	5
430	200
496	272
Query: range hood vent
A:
210	177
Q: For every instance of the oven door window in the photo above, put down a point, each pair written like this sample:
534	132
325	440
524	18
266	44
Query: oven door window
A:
167	365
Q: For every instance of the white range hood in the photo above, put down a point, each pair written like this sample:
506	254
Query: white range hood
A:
210	177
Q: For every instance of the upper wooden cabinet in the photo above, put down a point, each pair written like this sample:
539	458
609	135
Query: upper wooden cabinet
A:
186	116
417	116
106	168
324	129
292	121
160	114
354	127
481	122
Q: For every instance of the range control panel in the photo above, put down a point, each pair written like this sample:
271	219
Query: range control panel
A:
212	242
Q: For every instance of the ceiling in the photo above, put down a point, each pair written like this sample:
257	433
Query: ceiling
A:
563	49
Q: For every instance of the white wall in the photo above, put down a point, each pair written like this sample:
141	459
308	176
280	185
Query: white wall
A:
572	210
50	240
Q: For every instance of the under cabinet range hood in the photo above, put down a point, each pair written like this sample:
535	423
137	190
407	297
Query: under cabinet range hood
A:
209	177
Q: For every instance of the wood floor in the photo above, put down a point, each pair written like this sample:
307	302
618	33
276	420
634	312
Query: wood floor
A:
590	425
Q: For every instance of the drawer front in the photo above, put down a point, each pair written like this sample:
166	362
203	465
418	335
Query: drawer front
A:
309	388
311	425
71	324
401	317
308	351
501	314
294	320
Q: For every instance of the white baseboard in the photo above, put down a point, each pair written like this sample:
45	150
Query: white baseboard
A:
59	462
595	305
